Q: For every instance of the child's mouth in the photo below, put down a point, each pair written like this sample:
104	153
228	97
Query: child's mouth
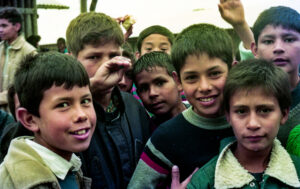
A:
81	134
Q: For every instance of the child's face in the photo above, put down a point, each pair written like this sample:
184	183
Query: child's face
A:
156	42
126	83
67	120
255	118
281	46
203	79
93	56
158	91
8	31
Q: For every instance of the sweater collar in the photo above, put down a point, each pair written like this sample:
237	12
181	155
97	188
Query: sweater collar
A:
230	174
203	122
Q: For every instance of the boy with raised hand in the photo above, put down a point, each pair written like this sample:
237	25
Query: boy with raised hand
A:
156	86
277	38
257	101
13	48
58	109
123	125
202	55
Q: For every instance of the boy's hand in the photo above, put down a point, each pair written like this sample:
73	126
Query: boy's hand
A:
109	74
127	22
176	178
232	11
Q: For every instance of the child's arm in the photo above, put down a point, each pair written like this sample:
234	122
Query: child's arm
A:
109	74
232	11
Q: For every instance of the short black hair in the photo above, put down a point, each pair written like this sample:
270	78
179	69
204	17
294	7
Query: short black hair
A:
283	16
40	72
12	15
150	60
202	38
156	29
258	73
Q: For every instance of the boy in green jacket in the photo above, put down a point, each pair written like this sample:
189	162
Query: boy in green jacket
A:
257	101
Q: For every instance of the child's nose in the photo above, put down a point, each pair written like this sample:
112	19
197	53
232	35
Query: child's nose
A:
253	123
204	85
80	114
153	91
278	47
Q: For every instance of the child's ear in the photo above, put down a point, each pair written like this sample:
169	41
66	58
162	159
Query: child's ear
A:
27	119
227	116
254	49
285	116
177	80
137	55
18	26
235	62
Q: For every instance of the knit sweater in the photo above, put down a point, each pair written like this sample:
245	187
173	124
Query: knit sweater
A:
188	140
224	171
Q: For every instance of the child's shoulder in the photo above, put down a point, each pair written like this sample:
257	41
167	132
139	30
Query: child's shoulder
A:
20	160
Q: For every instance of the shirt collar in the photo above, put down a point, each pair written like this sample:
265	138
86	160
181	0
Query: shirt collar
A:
58	165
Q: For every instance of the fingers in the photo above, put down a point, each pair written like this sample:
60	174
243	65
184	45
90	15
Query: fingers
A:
188	179
175	174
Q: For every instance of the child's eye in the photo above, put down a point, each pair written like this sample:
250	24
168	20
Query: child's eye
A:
267	41
164	49
142	89
86	101
148	49
160	83
94	57
190	77
264	110
240	111
289	40
63	105
214	73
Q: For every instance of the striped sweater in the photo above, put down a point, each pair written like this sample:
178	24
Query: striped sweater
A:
187	140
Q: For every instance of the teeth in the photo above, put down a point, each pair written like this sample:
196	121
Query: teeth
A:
206	99
81	132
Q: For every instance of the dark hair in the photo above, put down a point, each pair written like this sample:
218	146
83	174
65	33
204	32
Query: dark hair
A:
12	15
38	73
11	100
258	73
202	38
150	60
33	40
283	16
61	40
92	28
156	29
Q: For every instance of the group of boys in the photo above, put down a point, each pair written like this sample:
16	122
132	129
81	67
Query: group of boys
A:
72	105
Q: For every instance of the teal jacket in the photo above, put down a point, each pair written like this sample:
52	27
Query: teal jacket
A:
24	168
224	171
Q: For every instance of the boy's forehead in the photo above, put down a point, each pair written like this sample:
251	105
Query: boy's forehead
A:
154	72
156	37
277	29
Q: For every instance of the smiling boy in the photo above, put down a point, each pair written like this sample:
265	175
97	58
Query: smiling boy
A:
202	55
58	109
257	100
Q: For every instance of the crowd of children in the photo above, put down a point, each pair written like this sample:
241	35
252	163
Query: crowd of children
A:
204	120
